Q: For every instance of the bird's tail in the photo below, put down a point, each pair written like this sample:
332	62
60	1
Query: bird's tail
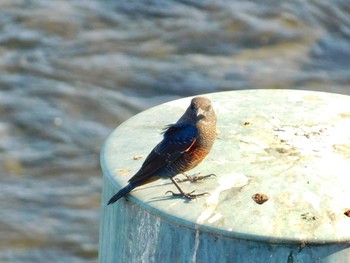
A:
121	193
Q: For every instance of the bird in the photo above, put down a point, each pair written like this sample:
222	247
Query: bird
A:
184	145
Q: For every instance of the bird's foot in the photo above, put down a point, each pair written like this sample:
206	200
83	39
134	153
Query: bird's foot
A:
194	178
188	195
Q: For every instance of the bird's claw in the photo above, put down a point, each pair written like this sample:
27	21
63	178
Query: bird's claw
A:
194	178
188	195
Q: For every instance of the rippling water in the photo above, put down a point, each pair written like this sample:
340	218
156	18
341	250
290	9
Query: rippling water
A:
71	71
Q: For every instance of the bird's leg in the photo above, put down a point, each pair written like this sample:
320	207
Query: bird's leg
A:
182	193
194	178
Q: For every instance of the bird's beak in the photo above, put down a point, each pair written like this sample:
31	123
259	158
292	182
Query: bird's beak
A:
200	112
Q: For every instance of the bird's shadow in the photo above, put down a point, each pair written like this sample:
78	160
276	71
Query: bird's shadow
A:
166	195
170	196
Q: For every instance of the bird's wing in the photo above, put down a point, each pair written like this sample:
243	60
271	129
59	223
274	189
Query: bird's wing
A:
178	138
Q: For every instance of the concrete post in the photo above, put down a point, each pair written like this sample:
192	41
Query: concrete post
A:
281	191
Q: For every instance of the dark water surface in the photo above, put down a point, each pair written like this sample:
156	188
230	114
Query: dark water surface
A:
71	71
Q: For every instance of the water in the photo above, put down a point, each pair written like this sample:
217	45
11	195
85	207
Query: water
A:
71	71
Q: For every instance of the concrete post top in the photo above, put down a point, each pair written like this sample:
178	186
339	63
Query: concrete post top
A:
281	159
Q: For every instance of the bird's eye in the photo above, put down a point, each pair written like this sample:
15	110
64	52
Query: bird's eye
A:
193	107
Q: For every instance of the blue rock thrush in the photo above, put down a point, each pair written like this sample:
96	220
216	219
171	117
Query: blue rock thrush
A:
185	144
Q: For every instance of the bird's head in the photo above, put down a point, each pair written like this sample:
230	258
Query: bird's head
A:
200	110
